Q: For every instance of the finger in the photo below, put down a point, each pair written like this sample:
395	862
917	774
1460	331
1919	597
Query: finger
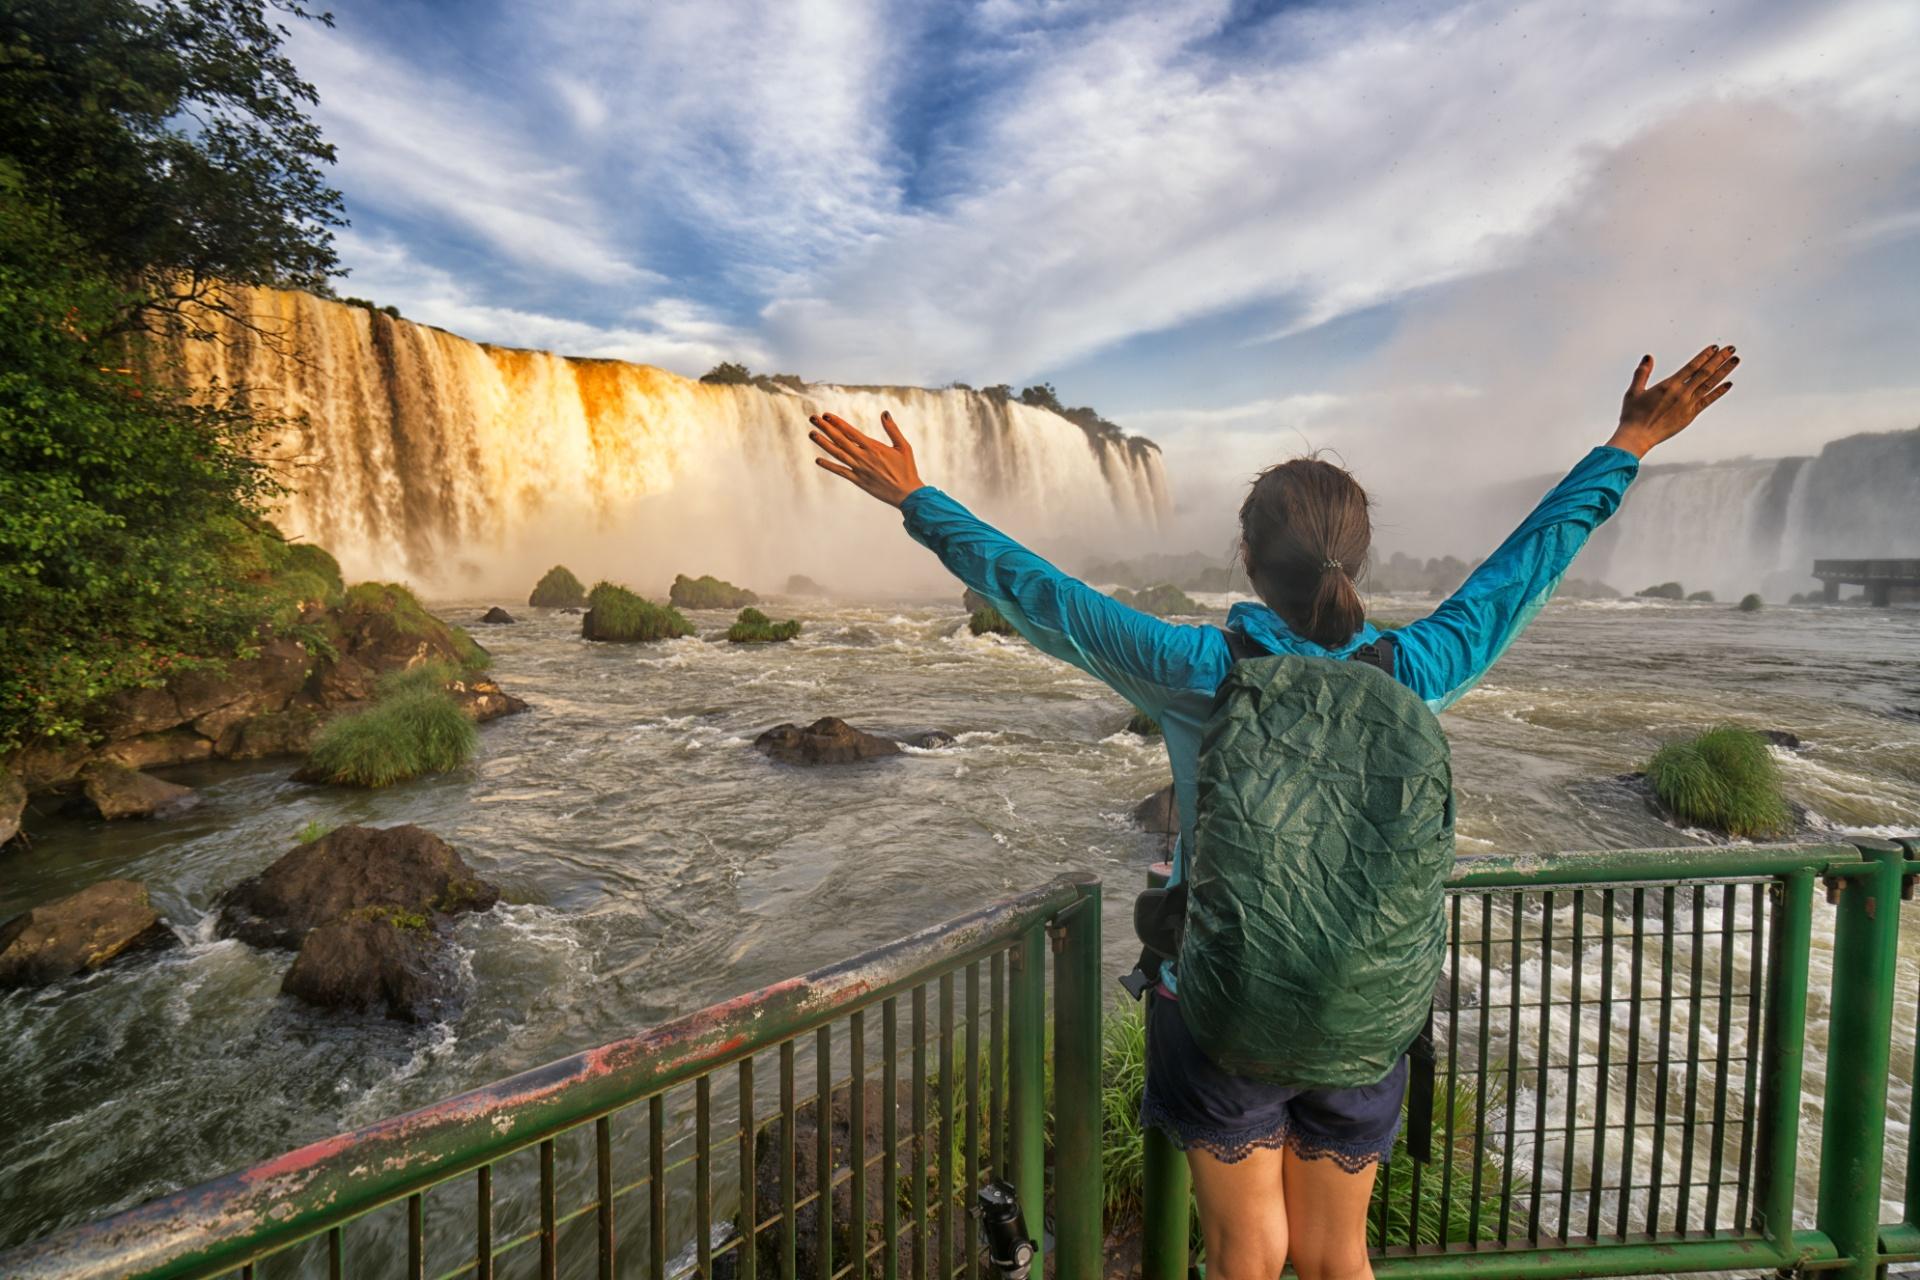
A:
1715	394
1698	365
893	433
838	470
853	434
1641	373
834	448
1717	375
823	426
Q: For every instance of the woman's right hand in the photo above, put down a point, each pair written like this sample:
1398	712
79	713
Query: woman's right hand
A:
1651	414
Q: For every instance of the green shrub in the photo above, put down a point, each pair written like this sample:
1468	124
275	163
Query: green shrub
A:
1751	602
617	614
990	620
1143	724
414	732
708	592
754	627
412	618
559	589
1724	779
1163	600
1701	597
1665	591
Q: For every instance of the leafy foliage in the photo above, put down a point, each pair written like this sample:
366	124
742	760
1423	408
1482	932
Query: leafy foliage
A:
1724	779
989	620
406	734
708	592
1751	602
615	613
558	589
755	627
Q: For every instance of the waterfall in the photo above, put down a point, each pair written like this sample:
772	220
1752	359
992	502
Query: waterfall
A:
465	468
1759	524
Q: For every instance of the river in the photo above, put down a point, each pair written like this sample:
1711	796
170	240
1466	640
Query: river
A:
652	861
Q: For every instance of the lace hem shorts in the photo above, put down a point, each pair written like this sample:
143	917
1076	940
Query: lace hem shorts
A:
1200	1106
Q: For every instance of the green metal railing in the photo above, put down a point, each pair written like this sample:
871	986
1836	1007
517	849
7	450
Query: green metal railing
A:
689	1149
1624	1052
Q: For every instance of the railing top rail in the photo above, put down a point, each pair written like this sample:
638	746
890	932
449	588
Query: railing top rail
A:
1616	866
200	1230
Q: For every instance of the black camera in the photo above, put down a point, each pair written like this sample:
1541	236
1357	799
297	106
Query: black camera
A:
1004	1231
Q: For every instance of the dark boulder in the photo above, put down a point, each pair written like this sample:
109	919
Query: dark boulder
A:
158	750
930	740
973	602
406	869
79	932
117	792
497	617
1782	738
1158	813
828	740
375	960
484	700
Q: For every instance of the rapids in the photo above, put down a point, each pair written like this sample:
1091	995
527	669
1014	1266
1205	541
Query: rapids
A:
653	862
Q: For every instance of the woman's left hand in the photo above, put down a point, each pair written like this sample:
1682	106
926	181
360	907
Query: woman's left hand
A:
885	472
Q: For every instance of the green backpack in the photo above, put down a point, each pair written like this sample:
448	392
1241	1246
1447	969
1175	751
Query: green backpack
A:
1314	928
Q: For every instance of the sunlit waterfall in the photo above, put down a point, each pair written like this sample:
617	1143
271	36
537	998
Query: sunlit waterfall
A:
414	453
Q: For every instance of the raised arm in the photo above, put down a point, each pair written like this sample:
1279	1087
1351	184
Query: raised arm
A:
1143	658
1446	653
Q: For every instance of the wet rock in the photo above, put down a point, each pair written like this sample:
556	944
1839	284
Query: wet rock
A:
484	700
973	602
375	960
118	792
497	617
801	585
157	750
406	869
1159	813
828	740
287	732
931	740
1781	738
13	803
79	932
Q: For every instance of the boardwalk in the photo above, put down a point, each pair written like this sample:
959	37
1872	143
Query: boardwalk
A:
1879	577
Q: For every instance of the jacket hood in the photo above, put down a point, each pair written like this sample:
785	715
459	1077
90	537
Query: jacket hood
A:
1268	630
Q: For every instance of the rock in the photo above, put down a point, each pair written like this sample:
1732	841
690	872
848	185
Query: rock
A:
79	932
1781	738
828	740
157	750
497	617
973	602
405	868
375	959
931	740
119	792
133	712
1158	813
288	732
801	585
13	803
483	700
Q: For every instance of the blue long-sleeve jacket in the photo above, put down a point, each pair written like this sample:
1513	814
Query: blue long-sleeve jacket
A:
1170	671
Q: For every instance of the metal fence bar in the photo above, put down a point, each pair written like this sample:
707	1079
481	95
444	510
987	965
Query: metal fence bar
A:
1078	1004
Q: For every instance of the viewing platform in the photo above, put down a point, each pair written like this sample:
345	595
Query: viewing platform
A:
1628	1042
1879	577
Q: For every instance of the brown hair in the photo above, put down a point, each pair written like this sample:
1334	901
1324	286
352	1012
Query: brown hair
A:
1304	534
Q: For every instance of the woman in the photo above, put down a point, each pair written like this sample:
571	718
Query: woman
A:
1281	1174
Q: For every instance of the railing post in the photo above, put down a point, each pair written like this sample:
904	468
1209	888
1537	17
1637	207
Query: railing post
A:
1077	1179
1026	1084
1167	1186
1853	1134
1910	1215
1784	1050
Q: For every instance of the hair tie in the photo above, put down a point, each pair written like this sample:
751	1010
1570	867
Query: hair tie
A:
1329	564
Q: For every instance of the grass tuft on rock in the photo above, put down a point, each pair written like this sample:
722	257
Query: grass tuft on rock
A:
1163	600
1700	597
708	592
990	621
1664	591
558	589
1751	602
408	734
617	614
412	618
1725	779
755	627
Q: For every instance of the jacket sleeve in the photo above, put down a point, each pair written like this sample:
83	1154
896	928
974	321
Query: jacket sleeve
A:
1143	658
1444	654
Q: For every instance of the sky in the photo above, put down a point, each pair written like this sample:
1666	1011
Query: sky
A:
1430	238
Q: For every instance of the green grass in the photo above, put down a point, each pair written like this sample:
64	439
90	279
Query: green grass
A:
617	614
1163	600
1724	779
990	621
412	618
1751	602
314	830
559	589
412	732
708	592
755	627
431	676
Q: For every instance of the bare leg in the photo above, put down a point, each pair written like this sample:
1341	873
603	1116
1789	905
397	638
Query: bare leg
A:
1326	1218
1243	1214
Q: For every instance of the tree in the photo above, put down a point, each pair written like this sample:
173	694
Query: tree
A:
170	139
727	374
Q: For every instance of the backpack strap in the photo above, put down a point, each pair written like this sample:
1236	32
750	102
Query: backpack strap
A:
1381	653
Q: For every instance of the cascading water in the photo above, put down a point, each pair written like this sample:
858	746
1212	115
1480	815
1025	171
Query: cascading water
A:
414	453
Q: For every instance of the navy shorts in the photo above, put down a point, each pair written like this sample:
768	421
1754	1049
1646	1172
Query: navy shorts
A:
1200	1106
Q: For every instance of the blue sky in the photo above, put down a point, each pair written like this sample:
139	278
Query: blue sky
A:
1425	235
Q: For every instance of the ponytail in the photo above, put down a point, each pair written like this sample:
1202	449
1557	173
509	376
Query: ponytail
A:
1305	534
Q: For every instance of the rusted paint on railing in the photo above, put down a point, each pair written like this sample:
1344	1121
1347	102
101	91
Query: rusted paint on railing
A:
208	1228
